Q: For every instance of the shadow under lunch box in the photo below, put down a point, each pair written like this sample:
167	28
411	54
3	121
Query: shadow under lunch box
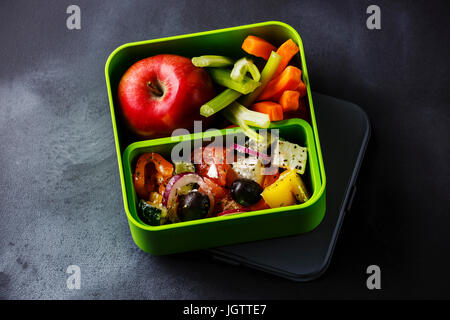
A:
224	230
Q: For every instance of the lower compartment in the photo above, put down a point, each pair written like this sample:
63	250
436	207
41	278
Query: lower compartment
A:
230	231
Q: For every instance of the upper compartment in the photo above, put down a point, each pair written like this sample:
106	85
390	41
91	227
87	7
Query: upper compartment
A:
219	42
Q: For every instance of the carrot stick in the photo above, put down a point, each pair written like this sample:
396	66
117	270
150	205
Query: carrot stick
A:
289	100
274	110
289	79
258	47
287	50
301	112
301	89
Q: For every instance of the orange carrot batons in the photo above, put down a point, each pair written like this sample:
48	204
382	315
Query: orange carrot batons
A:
274	110
258	47
287	50
290	100
301	89
289	79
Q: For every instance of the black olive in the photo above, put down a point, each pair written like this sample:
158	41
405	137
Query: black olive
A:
193	205
246	192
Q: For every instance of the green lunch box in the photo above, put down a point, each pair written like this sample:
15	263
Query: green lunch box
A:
225	230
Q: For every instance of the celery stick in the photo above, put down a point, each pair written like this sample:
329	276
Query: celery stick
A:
222	77
241	116
219	102
241	67
253	118
253	69
212	61
266	75
252	134
249	132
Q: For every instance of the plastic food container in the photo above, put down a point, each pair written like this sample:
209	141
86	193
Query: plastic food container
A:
216	231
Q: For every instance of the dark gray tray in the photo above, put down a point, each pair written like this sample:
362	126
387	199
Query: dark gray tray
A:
344	131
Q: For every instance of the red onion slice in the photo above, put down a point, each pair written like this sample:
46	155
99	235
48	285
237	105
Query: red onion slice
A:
255	153
232	211
175	183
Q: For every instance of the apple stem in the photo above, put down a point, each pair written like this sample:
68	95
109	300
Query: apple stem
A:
155	89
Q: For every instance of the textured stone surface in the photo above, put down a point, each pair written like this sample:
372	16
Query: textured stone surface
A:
60	199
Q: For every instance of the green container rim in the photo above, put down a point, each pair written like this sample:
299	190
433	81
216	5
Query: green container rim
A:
317	195
311	162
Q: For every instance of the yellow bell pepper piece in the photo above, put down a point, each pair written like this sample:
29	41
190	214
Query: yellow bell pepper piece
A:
299	189
285	191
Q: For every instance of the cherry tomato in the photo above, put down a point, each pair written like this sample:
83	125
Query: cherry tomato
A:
213	164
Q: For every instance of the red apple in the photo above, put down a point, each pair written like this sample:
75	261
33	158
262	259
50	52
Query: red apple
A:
163	93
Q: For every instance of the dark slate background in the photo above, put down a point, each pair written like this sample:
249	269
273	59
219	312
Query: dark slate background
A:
60	196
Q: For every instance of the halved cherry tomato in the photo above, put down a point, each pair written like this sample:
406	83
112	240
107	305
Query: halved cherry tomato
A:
218	192
213	164
260	205
152	173
231	177
227	203
269	179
